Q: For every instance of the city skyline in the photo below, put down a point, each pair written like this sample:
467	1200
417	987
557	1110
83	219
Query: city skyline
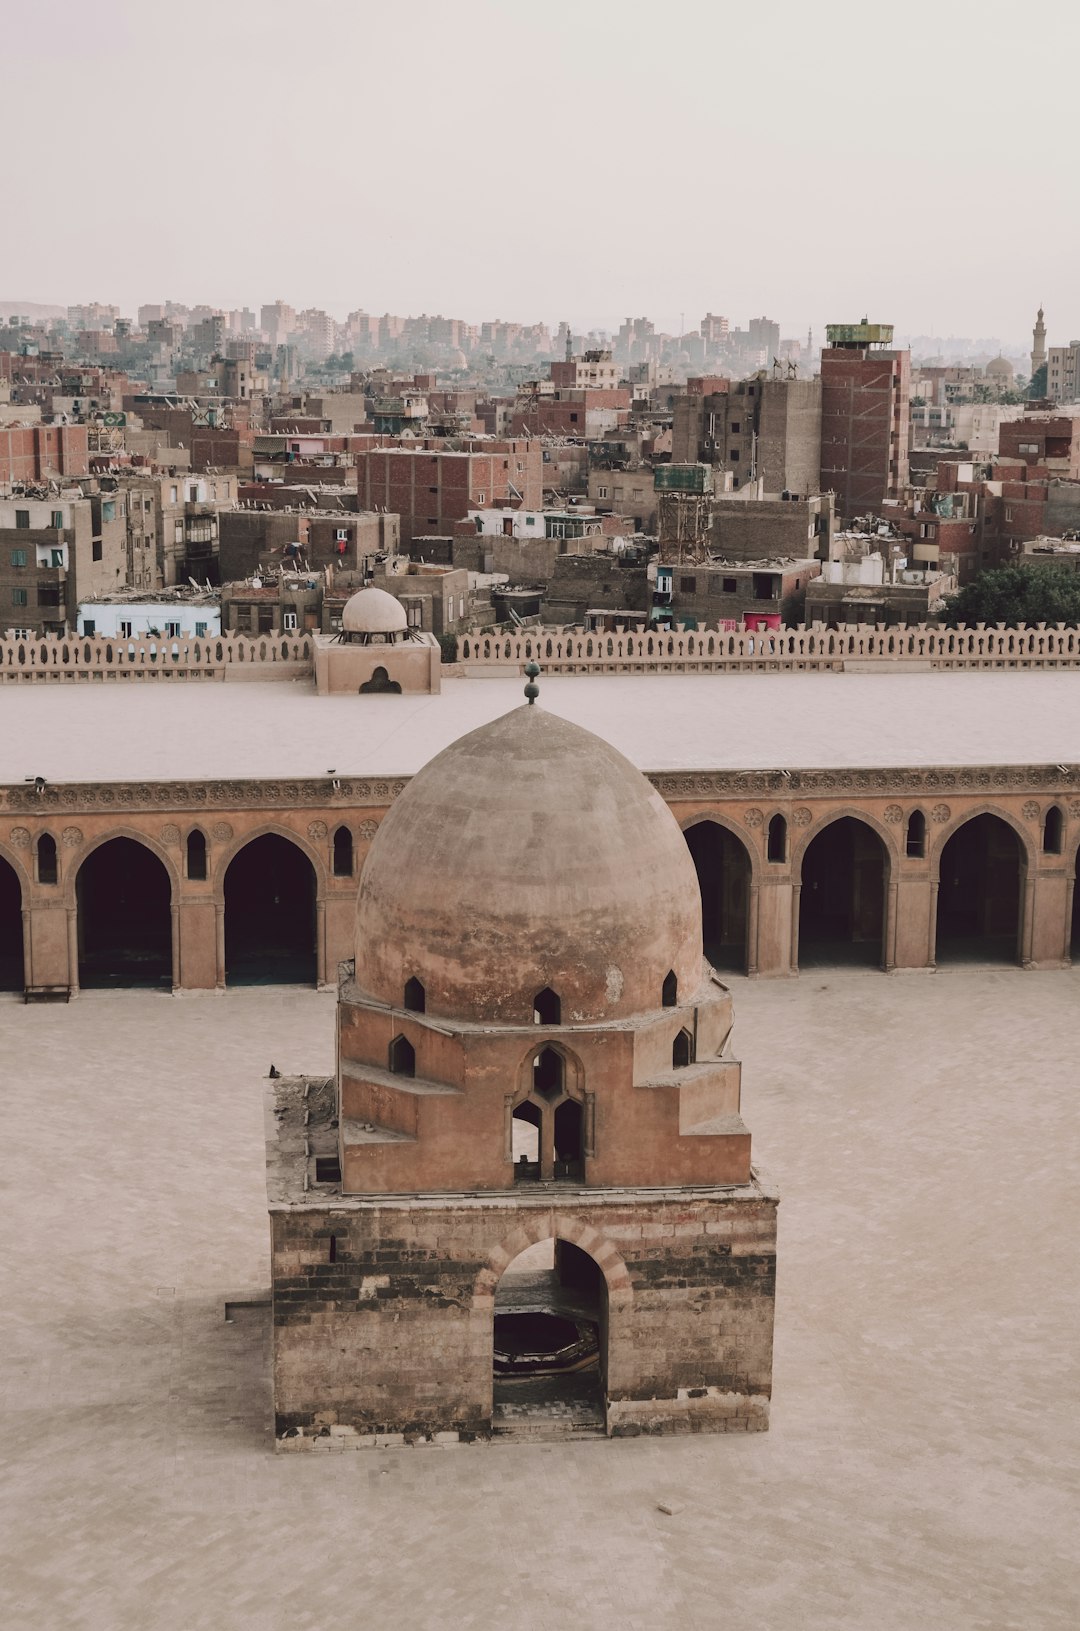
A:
727	171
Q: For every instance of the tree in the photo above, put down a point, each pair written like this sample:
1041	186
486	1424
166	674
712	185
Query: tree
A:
1017	594
1037	388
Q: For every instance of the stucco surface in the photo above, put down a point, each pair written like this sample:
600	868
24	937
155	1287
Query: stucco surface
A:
191	729
921	1467
528	854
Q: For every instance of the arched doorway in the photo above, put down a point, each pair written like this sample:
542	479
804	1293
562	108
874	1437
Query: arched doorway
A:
550	1343
124	900
723	869
270	915
980	886
842	901
11	929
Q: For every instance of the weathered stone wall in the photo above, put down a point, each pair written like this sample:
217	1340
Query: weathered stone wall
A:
392	1331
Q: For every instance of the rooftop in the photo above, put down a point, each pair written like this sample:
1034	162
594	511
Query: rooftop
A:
195	729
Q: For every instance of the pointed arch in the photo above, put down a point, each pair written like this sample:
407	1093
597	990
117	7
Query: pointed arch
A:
843	872
547	1007
727	873
12	937
124	893
270	892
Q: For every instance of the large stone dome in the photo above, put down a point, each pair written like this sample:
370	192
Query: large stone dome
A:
529	854
373	611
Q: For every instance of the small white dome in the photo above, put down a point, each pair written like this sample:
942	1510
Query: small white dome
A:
373	611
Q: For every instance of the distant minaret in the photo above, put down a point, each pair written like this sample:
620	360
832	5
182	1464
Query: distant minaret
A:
570	343
1038	350
809	342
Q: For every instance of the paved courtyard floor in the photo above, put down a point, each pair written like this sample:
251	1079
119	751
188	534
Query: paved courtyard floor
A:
923	1467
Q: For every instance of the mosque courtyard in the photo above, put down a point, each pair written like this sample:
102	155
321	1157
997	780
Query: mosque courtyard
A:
923	1465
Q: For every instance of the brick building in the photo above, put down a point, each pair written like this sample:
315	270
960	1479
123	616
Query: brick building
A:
433	486
35	453
865	409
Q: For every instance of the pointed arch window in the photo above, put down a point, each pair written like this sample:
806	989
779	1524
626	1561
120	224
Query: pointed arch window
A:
915	843
343	853
682	1050
196	855
415	996
46	859
547	1008
670	995
402	1057
548	1073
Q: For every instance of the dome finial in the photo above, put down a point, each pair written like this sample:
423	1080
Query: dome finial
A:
532	690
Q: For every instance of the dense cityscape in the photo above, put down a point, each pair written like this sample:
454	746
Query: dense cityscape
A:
187	471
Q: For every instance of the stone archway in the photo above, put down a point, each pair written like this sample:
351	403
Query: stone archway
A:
980	893
270	914
724	869
12	973
123	893
549	1343
842	901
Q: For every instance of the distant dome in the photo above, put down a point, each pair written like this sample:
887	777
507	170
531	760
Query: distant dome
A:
529	854
373	611
1000	366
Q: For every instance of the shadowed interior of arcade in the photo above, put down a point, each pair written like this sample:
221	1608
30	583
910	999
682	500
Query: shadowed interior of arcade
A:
842	902
723	869
124	917
11	929
979	894
270	917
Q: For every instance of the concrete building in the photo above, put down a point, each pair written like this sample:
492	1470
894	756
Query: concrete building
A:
545	1087
55	551
755	594
872	590
761	428
167	616
865	400
1063	372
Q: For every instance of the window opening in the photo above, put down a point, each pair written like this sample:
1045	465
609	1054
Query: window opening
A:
1052	825
402	1057
343	853
569	1142
547	1008
196	855
525	1131
682	1050
916	835
548	1073
671	989
46	854
415	996
777	839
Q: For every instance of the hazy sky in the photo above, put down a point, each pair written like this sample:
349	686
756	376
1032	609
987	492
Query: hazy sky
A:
582	158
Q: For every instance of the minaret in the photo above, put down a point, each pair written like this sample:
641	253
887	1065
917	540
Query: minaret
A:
1038	350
